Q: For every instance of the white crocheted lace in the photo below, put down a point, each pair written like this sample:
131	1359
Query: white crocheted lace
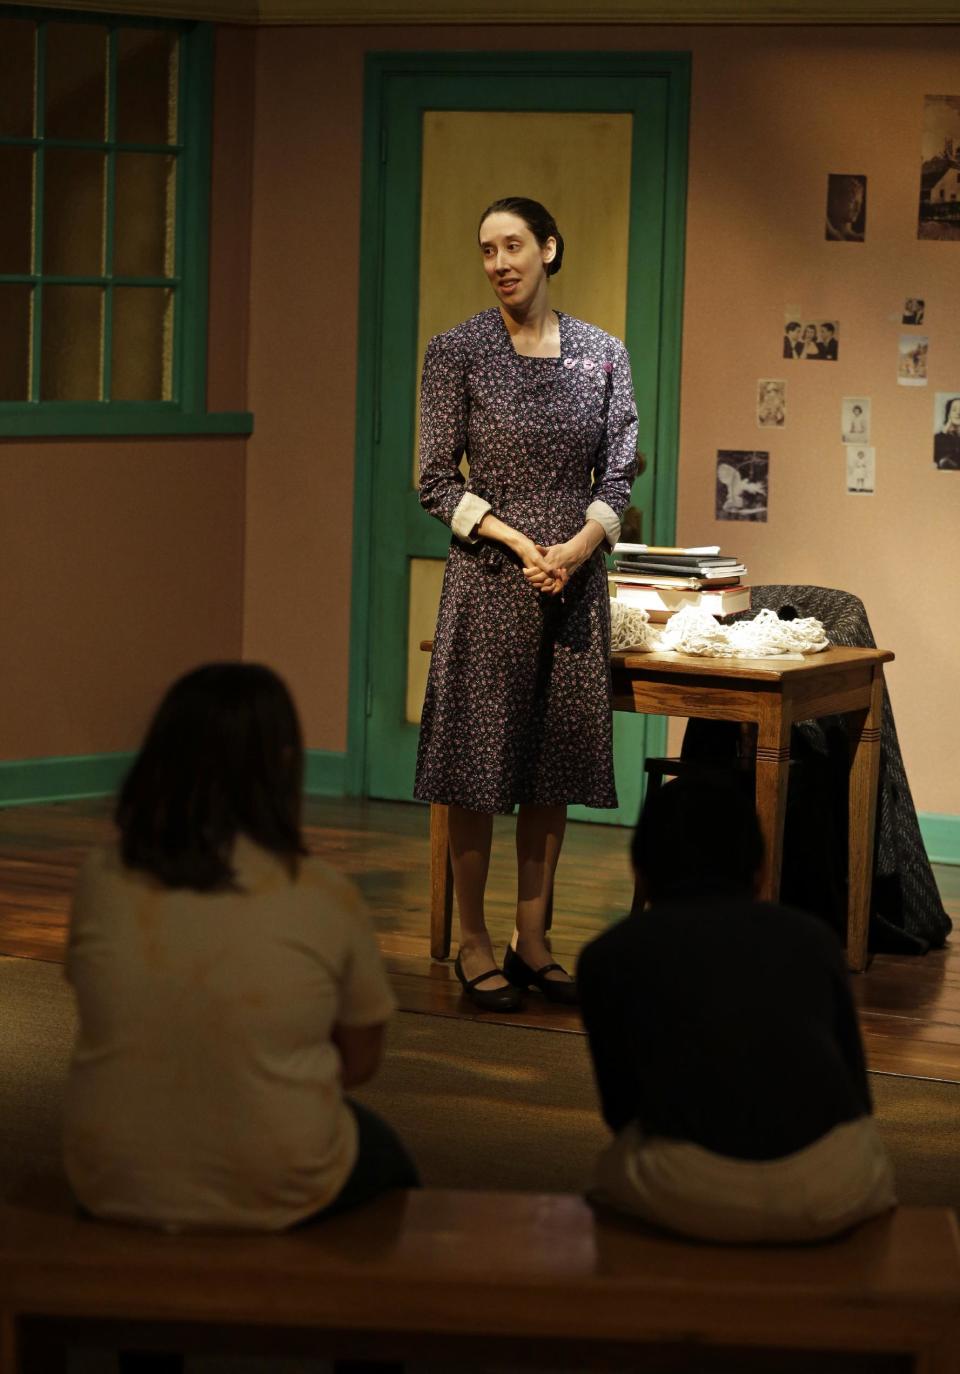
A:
630	628
693	631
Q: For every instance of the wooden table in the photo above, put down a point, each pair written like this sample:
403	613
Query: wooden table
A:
770	694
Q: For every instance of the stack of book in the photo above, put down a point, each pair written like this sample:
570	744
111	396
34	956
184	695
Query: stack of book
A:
661	580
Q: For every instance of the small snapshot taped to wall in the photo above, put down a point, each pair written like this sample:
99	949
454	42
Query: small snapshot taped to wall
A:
846	207
912	360
743	484
855	419
914	309
861	469
771	403
946	430
939	210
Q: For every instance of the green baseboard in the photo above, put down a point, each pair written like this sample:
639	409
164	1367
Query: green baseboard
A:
325	773
29	782
941	837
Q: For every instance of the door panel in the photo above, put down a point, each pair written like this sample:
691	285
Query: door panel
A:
577	164
426	578
574	163
595	150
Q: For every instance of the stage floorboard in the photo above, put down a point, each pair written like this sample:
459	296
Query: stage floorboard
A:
909	1007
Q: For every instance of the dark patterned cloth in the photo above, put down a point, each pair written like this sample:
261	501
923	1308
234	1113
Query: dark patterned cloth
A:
907	914
517	706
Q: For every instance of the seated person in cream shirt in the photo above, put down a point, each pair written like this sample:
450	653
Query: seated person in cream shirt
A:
229	986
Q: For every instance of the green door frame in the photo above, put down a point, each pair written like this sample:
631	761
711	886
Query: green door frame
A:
655	490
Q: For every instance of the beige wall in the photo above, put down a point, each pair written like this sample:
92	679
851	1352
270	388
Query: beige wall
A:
120	566
302	369
773	111
764	171
121	561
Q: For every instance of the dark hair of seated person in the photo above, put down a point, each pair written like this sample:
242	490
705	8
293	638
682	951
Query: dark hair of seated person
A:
223	755
698	835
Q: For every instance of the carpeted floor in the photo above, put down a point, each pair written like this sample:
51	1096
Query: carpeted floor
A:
479	1104
486	1105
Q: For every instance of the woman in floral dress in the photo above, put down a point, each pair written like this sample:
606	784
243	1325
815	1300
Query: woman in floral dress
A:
517	709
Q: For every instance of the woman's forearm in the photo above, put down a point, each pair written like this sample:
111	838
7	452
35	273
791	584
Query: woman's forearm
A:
491	527
593	534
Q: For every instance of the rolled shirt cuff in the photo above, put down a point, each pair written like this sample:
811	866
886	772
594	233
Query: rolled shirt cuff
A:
470	511
607	517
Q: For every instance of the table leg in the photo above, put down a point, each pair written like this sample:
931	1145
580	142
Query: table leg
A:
773	766
441	881
864	732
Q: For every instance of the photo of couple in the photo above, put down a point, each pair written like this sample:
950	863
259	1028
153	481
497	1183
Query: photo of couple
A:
819	341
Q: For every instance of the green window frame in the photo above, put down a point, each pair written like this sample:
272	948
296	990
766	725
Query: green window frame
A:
173	170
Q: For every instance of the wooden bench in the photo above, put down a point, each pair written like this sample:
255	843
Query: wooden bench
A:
421	1274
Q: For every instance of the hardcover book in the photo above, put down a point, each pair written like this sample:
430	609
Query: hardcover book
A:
716	601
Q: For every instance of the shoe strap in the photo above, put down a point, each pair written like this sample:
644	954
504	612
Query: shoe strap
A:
549	968
490	973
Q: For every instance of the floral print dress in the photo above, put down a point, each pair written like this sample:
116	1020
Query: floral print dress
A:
517	707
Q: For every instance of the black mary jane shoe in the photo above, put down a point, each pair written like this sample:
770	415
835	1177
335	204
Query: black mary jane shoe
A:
488	999
521	975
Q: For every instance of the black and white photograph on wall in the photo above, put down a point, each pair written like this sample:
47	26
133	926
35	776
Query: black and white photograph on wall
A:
743	484
792	342
946	430
820	340
939	211
912	360
855	419
914	309
861	469
771	403
846	207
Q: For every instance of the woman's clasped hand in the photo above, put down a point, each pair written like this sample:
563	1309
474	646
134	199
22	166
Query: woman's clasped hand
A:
555	564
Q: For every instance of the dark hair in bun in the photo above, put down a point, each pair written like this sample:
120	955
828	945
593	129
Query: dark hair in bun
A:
538	220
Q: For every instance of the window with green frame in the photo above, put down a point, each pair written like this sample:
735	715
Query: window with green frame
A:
105	168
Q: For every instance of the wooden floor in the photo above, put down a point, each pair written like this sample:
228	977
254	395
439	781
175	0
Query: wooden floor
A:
910	1007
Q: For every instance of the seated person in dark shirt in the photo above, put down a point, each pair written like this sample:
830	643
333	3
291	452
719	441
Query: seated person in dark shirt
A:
725	1042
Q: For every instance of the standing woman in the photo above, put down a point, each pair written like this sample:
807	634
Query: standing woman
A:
517	709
